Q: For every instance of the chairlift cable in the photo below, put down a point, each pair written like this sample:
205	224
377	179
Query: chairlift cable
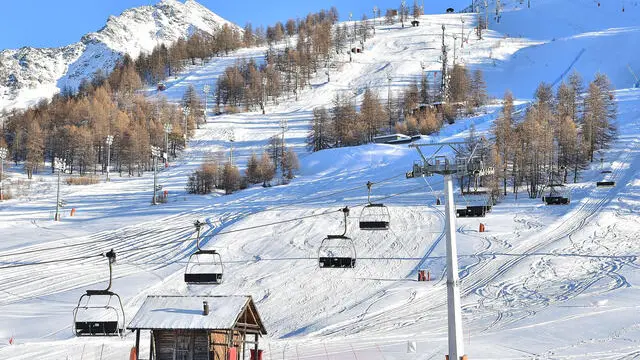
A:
190	239
26	252
547	254
51	261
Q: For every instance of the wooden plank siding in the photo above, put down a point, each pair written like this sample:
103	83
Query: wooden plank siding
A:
181	345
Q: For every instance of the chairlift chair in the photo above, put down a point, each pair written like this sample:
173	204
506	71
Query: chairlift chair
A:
476	209
204	266
374	216
89	316
556	197
337	251
607	181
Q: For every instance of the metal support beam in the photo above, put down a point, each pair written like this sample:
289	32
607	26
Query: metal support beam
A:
138	344
443	165
256	346
151	350
456	345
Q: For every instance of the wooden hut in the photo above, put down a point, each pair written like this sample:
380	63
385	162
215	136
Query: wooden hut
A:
199	327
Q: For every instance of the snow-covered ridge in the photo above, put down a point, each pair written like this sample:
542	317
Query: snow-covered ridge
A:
30	74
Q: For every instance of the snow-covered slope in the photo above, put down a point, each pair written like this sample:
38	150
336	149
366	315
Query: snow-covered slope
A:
28	74
583	35
540	283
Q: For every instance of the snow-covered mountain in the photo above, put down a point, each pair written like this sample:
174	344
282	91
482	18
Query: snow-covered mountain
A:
29	74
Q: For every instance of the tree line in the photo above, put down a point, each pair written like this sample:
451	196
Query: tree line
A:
224	175
558	136
74	127
417	110
248	85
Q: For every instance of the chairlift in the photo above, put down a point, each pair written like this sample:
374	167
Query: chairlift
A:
89	316
608	175
475	209
337	251
374	216
204	266
557	197
605	183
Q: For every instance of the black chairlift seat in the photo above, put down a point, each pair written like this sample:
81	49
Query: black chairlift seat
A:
556	200
337	262
605	172
99	327
211	276
473	211
341	261
605	183
100	293
374	225
374	217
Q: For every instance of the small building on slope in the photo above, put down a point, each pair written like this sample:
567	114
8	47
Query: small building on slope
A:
199	327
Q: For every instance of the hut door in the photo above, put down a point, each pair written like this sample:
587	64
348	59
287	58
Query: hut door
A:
184	347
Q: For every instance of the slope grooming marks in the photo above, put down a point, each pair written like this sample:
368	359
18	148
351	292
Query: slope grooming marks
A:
337	268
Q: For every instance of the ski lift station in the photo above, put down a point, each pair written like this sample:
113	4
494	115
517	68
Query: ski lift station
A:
199	327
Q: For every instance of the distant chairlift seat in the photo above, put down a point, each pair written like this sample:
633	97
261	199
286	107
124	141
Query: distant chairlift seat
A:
375	217
605	183
204	267
337	251
557	197
556	200
476	210
473	211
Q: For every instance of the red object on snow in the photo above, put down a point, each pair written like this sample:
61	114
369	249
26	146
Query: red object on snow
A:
253	355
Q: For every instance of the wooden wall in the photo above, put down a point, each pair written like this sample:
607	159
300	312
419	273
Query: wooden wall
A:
181	345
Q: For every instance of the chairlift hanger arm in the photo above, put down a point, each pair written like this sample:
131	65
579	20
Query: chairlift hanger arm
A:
440	147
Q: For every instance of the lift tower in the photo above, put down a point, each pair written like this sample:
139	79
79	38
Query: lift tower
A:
454	164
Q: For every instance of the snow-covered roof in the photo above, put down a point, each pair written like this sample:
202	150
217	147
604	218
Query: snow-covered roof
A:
186	312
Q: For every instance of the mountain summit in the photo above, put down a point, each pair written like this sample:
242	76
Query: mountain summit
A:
28	75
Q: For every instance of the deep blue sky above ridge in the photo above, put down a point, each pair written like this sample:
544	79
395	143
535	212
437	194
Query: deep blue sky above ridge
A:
44	23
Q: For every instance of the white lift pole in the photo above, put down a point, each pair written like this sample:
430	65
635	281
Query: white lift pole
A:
456	344
443	165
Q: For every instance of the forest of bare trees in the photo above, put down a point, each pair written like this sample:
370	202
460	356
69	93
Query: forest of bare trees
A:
74	124
75	127
416	110
557	137
249	86
223	175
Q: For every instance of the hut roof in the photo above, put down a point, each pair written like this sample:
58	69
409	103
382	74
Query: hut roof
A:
186	313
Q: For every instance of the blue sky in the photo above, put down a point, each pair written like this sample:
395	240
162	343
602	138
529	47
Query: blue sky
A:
53	23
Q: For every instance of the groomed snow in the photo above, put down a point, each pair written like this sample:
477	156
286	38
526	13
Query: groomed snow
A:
541	283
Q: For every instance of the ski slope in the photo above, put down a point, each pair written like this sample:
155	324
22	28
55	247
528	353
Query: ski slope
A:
541	283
